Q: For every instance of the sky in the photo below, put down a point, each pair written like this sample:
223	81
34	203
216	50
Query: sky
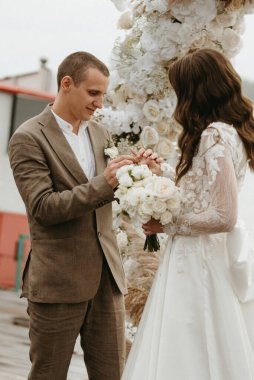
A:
30	29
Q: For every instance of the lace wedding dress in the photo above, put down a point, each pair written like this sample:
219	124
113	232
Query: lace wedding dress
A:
198	323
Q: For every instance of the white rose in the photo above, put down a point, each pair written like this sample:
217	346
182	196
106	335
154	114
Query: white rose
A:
149	136
133	197
125	21
197	12
117	97
120	193
163	127
165	149
116	208
123	170
173	204
201	42
124	201
152	111
156	216
159	206
140	172
174	132
146	208
168	52
121	190
214	30
168	104
151	87
125	180
166	218
227	19
184	33
146	39
161	187
231	42
133	111
142	192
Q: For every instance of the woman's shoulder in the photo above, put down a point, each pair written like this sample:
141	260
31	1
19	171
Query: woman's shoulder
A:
219	133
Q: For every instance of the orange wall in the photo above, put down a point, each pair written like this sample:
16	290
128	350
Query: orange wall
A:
11	227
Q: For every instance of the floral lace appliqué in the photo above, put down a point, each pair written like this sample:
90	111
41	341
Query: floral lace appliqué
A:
196	185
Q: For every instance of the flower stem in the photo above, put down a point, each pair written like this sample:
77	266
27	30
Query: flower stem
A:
152	243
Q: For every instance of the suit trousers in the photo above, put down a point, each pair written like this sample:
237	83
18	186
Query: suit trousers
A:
100	322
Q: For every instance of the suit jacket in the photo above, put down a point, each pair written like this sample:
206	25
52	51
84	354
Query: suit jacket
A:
70	218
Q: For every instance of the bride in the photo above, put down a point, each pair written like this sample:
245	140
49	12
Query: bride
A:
198	323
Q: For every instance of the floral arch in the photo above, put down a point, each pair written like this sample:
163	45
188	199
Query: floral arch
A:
140	101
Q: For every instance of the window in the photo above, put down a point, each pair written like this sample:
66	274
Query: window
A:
24	107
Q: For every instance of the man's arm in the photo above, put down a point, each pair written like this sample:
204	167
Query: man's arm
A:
34	181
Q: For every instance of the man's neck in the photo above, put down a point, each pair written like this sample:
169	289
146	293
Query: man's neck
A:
67	117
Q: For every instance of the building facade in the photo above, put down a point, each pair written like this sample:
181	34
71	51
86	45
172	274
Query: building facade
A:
16	105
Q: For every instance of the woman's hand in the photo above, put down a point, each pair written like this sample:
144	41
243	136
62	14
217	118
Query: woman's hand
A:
152	227
149	158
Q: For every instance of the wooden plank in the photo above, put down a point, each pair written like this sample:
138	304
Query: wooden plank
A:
14	342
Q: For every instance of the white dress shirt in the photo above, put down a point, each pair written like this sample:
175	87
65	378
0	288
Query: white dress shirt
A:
80	144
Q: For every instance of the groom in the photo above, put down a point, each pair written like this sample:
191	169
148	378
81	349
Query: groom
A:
73	279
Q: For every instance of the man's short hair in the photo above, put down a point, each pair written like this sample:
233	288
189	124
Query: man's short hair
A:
76	64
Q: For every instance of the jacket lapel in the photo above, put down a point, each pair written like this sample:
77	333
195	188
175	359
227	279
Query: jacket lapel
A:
60	145
97	141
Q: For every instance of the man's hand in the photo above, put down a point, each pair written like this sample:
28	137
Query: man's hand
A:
113	166
150	158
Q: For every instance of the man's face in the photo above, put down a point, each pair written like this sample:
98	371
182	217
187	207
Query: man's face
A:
87	96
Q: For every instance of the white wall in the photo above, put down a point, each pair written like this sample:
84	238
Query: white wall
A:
38	81
10	199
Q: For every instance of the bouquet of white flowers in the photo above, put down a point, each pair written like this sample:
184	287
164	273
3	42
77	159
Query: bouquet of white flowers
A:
144	196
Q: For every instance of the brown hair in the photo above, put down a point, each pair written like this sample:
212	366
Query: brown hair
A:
75	65
208	89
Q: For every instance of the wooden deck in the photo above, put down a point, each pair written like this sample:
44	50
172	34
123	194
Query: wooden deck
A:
14	342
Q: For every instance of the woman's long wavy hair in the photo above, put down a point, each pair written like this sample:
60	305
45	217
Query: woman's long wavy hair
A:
208	89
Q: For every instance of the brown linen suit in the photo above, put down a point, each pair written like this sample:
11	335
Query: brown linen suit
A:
70	220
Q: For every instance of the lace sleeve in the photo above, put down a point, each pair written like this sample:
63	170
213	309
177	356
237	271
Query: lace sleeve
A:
168	171
221	213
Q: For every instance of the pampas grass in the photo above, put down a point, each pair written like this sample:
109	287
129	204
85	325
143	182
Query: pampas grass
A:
135	302
140	274
236	4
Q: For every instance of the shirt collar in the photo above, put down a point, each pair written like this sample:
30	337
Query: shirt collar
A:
67	127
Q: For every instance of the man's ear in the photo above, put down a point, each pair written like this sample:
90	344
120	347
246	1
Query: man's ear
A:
66	83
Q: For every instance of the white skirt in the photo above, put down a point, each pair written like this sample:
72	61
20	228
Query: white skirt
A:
193	326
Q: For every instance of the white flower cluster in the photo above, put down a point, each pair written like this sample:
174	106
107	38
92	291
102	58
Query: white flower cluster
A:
122	240
157	32
130	331
111	152
144	196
